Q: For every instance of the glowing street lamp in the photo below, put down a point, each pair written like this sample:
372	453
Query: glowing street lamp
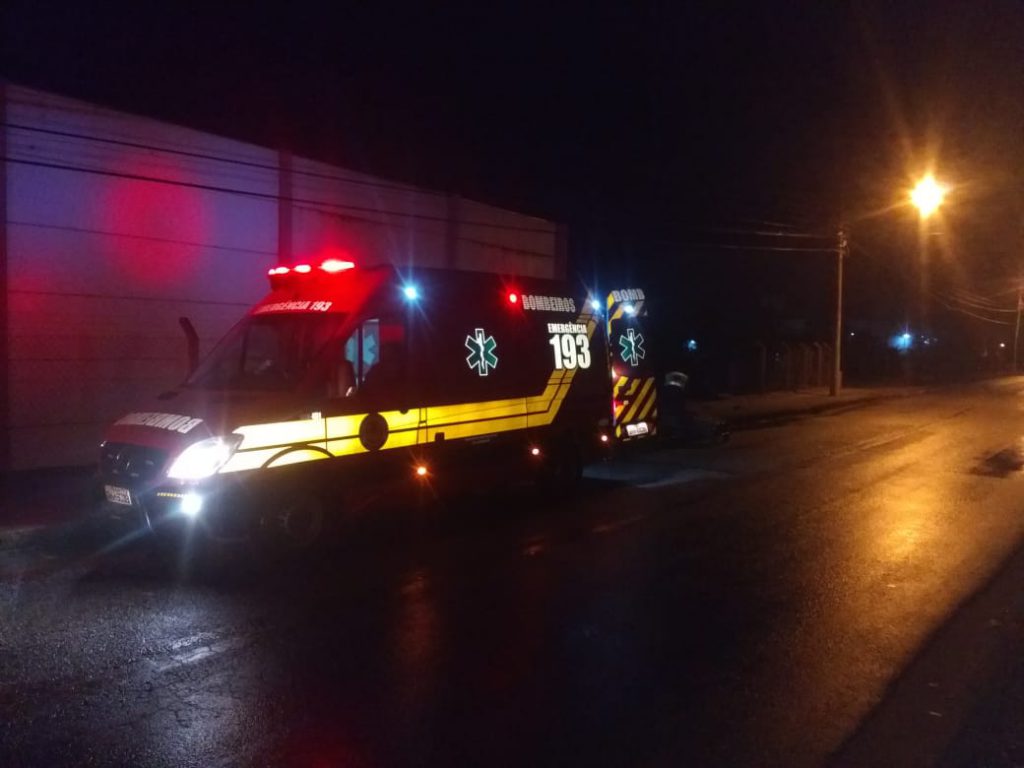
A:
927	196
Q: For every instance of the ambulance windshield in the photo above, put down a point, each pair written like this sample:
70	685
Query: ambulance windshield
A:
271	352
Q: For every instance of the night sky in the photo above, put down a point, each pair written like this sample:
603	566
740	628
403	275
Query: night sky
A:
659	131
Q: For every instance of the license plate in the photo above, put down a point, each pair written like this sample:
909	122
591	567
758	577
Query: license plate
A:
635	430
118	495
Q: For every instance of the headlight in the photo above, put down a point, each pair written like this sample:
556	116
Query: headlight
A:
204	458
191	505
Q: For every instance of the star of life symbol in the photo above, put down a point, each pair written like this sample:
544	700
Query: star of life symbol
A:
481	352
632	344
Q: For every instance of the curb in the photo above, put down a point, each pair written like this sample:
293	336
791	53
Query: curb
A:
774	418
12	538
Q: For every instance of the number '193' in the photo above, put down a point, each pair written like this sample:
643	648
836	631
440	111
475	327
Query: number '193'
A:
572	350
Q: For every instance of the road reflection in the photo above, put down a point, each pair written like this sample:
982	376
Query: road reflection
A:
416	643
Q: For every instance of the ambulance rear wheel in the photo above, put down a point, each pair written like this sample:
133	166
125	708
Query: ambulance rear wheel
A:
563	470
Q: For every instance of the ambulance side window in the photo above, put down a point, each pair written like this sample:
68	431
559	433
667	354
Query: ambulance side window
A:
352	350
376	353
385	380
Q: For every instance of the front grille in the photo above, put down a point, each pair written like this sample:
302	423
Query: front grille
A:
130	465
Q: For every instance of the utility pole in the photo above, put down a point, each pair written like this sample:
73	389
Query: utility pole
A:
1016	329
837	351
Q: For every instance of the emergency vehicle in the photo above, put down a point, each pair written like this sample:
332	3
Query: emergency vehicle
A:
347	383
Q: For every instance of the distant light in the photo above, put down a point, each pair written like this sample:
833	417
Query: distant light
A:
421	471
411	293
629	309
1002	345
692	345
535	451
334	265
902	341
513	298
191	504
303	268
852	333
595	305
604	438
928	196
278	271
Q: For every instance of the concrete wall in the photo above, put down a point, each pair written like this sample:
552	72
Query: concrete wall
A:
117	225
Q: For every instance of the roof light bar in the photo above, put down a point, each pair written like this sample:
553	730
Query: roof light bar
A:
280	275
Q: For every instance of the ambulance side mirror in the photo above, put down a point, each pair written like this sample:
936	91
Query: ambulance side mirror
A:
676	379
191	343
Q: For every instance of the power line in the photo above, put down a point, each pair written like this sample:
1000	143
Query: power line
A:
974	305
768	233
171	241
760	223
972	314
407	188
221	159
272	197
169	299
726	247
974	297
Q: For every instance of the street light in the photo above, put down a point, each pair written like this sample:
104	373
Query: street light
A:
927	196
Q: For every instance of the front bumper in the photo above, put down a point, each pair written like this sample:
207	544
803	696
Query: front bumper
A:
210	507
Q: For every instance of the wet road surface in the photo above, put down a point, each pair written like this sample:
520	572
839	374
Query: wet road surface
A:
745	604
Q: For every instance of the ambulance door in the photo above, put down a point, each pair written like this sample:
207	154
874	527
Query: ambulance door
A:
371	408
634	389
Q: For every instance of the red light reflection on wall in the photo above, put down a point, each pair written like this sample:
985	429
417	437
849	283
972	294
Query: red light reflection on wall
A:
166	226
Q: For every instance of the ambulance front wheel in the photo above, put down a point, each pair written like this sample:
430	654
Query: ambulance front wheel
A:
296	523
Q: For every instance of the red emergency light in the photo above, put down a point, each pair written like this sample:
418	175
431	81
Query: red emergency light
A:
275	271
336	265
513	298
302	268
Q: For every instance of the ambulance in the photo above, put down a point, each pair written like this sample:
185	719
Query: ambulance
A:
346	385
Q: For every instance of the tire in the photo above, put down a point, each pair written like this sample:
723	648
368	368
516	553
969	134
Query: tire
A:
564	469
296	523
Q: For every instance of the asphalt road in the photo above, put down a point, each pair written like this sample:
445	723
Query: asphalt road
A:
748	604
